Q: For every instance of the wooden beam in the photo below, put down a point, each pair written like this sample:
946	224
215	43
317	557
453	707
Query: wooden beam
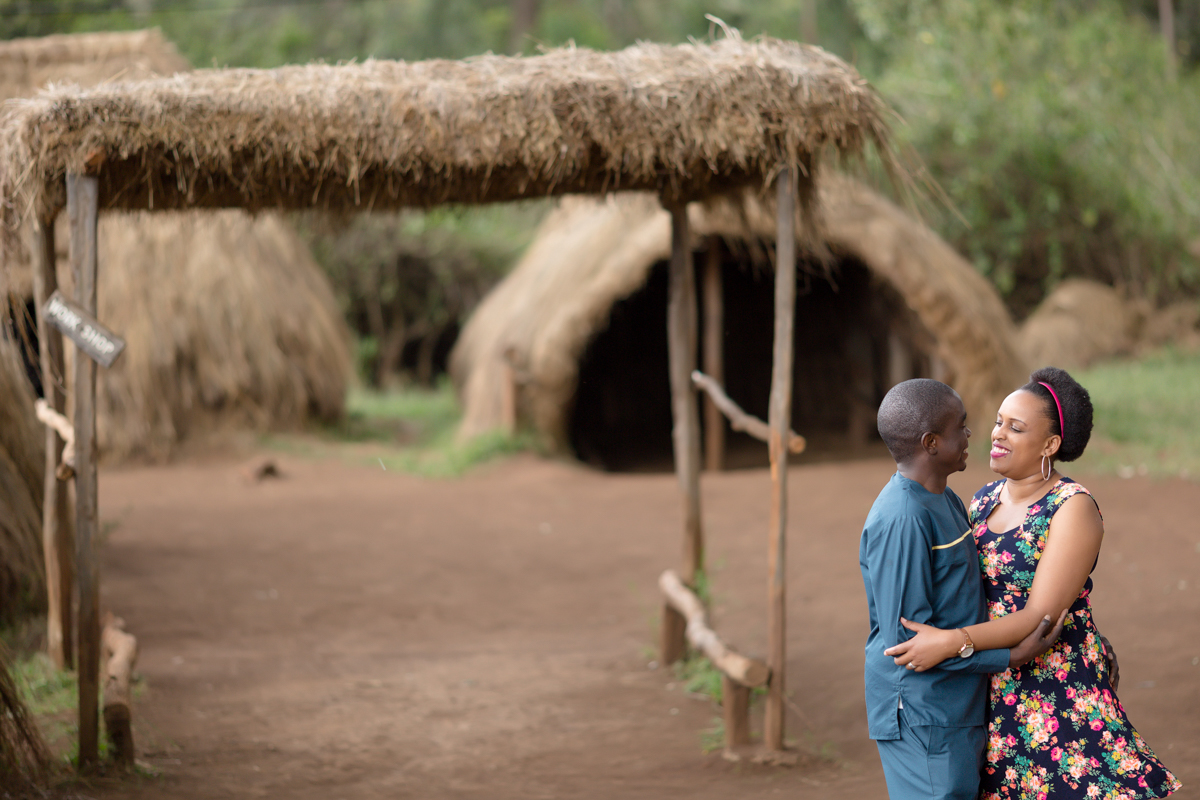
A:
83	210
745	671
681	345
739	420
119	655
714	354
779	419
58	541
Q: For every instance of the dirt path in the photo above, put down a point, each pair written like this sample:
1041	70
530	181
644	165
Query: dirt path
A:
352	633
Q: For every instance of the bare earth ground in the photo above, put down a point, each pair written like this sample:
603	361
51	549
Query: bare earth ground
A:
347	632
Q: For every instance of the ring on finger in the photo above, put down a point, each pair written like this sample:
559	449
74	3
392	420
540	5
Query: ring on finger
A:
909	665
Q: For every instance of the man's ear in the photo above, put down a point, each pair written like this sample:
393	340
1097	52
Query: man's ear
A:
929	442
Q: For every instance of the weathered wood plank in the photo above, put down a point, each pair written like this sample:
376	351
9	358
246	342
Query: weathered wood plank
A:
739	420
714	354
82	210
746	671
779	419
58	541
119	655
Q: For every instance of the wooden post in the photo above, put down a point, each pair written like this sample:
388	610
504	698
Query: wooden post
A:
735	702
119	656
58	544
83	193
681	343
714	355
779	419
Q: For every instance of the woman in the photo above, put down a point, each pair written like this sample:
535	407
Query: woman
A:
1055	728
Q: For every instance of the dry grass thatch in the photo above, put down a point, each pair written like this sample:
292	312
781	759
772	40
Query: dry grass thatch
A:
266	348
22	465
591	253
81	60
229	324
685	120
24	757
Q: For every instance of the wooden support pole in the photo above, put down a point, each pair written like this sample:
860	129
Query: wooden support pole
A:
735	702
714	354
681	344
58	541
746	671
739	420
779	419
119	655
83	193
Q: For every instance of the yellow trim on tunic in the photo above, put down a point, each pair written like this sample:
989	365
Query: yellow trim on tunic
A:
956	541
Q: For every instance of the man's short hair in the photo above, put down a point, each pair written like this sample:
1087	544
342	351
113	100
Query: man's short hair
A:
908	411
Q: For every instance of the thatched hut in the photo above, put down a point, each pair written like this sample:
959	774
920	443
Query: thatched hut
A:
579	324
266	347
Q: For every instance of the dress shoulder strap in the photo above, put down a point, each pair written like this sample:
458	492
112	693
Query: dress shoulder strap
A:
1063	491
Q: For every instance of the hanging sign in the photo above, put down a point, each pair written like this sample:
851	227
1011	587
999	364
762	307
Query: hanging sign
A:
102	345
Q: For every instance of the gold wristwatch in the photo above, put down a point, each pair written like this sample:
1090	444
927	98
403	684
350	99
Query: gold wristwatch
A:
968	647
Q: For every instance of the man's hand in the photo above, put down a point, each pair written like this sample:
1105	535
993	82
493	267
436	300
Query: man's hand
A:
1114	670
1037	642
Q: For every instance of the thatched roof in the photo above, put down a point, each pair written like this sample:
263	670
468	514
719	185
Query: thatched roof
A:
591	253
686	120
22	465
230	322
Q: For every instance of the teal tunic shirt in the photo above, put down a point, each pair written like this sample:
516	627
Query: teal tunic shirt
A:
918	561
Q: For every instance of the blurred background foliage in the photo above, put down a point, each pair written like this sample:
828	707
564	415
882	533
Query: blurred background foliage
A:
1062	132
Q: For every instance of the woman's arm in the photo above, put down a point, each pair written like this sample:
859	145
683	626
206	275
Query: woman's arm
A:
1072	544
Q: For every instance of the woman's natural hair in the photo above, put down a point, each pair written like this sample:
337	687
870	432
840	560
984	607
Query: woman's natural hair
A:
1076	404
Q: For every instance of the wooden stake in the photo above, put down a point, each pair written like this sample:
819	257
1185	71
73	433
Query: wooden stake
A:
58	543
120	650
83	193
735	702
681	344
779	418
714	354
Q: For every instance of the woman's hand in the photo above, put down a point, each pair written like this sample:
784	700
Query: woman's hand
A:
930	647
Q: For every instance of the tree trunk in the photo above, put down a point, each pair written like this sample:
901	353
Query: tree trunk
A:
524	20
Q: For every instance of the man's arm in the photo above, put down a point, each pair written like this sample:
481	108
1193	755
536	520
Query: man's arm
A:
900	565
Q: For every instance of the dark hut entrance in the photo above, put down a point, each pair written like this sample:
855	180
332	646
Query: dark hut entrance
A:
854	339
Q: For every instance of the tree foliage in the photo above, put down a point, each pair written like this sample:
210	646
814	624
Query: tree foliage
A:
1055	135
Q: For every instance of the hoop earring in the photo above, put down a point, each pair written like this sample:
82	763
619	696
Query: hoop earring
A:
1047	468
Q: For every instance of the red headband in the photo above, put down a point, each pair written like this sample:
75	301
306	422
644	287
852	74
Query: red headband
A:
1062	430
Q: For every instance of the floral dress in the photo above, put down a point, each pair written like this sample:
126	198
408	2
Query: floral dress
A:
1055	728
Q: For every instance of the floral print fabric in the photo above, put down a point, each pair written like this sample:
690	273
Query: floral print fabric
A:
1055	728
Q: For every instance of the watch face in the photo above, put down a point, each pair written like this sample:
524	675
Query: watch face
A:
967	651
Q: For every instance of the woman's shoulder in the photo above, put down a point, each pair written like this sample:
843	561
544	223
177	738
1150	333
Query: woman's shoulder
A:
1063	491
988	492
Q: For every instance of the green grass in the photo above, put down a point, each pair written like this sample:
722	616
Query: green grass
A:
1145	416
411	430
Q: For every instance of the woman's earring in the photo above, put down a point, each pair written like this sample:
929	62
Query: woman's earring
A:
1047	468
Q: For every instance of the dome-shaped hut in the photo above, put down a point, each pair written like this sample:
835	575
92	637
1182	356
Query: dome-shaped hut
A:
229	321
573	342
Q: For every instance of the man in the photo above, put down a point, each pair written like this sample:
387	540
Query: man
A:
919	562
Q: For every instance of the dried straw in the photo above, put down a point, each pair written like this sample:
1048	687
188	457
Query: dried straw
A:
24	757
229	321
686	120
591	253
22	466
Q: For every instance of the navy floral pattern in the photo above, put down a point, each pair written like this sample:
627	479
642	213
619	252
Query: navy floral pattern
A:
1055	728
